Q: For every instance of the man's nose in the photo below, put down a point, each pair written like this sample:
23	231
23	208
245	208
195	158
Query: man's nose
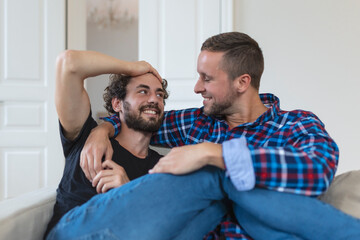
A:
199	86
153	98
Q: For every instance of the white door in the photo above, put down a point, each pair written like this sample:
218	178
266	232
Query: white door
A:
32	34
170	36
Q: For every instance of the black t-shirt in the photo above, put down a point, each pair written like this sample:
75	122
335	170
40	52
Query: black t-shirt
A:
74	188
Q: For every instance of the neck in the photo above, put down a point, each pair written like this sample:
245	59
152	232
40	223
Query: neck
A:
136	142
248	108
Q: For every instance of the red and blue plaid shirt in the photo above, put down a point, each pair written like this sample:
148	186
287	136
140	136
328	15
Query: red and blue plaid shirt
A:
291	150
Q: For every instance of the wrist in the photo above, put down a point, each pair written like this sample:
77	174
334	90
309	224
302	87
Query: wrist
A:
105	130
109	129
214	155
112	124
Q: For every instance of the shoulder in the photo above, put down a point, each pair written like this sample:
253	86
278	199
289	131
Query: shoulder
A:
301	121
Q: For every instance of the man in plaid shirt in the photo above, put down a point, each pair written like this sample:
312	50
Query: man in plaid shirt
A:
260	147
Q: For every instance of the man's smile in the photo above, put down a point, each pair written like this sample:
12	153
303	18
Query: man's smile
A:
150	112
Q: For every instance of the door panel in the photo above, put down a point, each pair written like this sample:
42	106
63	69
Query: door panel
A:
32	34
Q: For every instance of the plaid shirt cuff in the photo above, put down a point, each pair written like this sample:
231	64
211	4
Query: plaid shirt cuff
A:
239	164
114	120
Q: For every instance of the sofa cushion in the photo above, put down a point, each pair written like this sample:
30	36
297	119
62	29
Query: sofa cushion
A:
26	216
344	193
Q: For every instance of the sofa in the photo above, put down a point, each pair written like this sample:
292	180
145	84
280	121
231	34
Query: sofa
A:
26	217
344	193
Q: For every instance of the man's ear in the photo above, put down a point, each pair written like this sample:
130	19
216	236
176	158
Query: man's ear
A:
116	104
242	83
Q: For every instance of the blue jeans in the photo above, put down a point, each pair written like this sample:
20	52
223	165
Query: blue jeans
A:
165	206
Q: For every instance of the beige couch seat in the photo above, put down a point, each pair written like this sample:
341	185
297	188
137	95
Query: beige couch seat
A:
26	217
344	193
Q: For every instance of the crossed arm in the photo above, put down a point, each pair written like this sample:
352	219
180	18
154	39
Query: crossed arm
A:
73	104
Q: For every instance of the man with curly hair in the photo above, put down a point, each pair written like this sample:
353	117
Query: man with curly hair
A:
136	93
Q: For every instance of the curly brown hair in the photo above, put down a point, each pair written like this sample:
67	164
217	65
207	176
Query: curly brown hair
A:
117	89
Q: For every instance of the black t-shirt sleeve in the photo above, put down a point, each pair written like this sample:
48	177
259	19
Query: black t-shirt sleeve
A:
71	145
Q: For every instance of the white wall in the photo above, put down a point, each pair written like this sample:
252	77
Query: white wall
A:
312	54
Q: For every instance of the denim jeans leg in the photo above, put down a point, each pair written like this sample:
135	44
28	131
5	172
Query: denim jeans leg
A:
156	206
204	222
305	217
258	230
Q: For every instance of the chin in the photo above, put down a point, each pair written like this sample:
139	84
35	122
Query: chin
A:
206	112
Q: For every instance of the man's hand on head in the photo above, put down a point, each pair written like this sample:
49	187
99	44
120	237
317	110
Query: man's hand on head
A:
97	146
143	67
186	159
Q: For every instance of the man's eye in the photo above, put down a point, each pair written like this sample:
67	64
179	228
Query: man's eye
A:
142	91
206	78
161	95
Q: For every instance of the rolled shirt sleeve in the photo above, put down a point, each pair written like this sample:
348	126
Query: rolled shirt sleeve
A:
238	163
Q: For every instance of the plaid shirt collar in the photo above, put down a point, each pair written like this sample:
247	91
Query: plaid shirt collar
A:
273	104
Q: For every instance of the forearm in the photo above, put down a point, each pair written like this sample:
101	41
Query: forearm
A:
105	129
72	100
86	64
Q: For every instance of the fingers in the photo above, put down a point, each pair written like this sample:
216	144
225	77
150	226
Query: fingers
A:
97	164
109	152
156	73
91	157
109	180
152	70
113	176
101	174
108	167
105	184
84	165
163	166
90	165
110	164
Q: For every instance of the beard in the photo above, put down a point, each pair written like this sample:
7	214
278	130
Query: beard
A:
134	120
220	108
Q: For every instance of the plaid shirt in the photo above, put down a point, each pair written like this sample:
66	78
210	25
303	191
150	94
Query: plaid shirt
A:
290	150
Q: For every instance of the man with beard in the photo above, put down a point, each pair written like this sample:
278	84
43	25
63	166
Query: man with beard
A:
136	93
276	162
